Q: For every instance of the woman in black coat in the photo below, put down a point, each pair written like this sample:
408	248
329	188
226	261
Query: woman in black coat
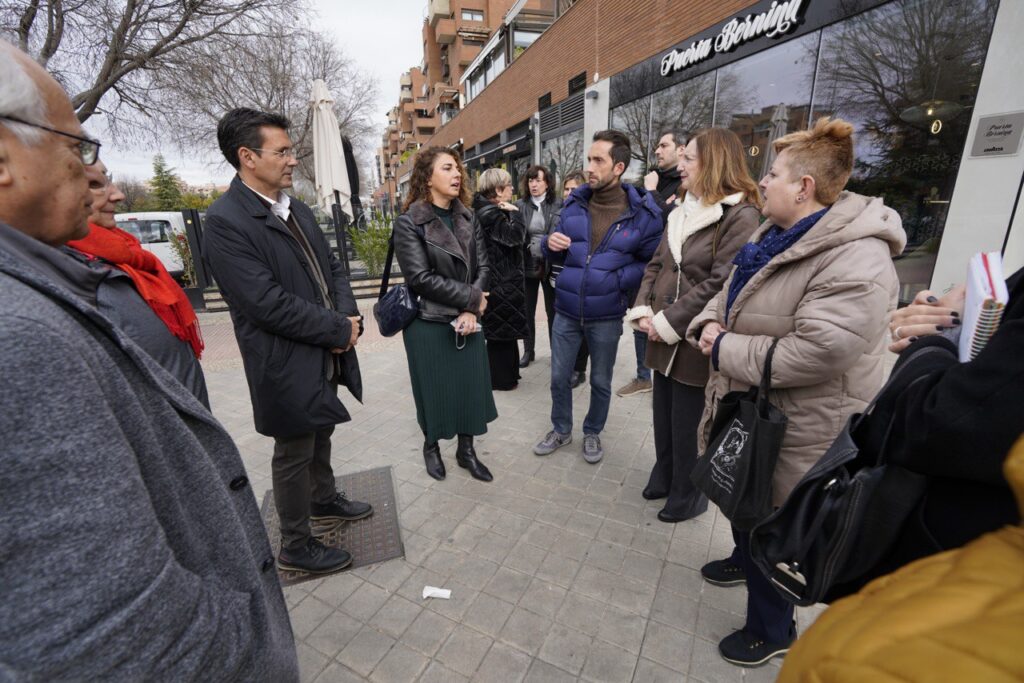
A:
503	231
444	262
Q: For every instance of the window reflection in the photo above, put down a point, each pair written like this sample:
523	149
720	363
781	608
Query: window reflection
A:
563	155
634	119
894	72
767	95
686	107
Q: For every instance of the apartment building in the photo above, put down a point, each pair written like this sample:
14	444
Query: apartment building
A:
466	44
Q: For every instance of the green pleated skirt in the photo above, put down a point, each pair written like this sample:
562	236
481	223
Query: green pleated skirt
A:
451	386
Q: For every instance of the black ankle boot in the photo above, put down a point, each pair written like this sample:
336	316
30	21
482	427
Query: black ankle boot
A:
465	455
432	457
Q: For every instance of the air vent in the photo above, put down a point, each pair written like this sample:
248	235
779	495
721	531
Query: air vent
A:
548	119
543	102
578	83
571	110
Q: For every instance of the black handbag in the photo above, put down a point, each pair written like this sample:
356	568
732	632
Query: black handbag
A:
395	308
736	471
844	515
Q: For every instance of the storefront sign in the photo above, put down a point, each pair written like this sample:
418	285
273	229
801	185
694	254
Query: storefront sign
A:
998	136
777	21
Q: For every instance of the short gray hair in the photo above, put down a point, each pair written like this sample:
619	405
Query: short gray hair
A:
491	179
20	96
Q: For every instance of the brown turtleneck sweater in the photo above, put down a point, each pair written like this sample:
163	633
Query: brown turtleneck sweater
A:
606	205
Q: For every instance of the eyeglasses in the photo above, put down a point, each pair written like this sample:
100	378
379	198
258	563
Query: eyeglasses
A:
280	154
89	149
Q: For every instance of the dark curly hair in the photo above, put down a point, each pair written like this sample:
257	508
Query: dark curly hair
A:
423	169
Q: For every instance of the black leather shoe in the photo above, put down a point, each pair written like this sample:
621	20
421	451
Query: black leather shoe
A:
652	494
339	509
432	457
527	358
314	558
578	378
465	455
671	519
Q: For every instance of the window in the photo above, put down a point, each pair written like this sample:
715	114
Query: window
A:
634	119
687	107
924	55
472	15
147	232
563	155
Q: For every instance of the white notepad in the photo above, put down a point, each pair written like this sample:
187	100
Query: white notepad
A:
984	303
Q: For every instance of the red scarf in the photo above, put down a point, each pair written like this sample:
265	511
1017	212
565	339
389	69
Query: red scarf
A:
152	281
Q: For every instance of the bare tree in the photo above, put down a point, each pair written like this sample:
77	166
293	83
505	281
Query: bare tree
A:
108	50
268	72
136	194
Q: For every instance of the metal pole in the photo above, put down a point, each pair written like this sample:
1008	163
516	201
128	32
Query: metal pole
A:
340	225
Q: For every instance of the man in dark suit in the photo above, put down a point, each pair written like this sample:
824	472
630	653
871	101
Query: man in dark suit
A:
296	323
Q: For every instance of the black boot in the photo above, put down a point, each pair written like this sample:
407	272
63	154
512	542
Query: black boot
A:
528	357
432	457
465	455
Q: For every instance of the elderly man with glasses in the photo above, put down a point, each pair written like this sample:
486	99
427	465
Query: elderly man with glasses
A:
132	545
296	323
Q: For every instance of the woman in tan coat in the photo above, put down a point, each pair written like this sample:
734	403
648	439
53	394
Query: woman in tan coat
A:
818	277
715	214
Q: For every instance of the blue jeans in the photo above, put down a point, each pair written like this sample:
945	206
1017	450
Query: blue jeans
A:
567	334
640	343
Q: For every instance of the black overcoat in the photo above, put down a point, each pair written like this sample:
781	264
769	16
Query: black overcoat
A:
504	233
284	331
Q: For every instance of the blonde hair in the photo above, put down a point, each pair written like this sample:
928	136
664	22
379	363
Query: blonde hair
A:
490	180
824	152
723	168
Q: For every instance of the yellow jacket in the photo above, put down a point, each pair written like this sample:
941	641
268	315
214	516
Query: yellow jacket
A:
955	616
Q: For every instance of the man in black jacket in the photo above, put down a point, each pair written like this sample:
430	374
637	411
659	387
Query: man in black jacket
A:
296	323
662	183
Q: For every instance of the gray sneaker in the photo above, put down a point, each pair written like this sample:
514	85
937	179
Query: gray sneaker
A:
551	443
592	451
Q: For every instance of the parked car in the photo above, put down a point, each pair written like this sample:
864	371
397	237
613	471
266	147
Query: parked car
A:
153	229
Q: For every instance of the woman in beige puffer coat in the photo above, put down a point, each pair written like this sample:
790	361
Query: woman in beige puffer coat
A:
818	277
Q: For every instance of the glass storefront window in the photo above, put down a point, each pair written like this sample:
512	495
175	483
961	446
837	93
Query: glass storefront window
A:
765	96
687	107
906	75
634	119
563	155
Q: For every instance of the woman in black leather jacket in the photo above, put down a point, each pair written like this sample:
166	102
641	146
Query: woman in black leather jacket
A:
539	209
445	264
502	230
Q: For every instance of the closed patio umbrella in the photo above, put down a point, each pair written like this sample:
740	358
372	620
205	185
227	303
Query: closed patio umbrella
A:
333	190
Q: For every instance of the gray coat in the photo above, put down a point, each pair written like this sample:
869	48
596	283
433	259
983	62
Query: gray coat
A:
133	548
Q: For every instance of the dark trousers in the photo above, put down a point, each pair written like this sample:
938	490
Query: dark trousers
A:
532	287
769	615
677	411
302	474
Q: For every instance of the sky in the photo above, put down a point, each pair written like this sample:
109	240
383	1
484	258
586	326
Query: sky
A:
383	37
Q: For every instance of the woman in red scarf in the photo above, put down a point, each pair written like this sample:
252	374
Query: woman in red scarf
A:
137	293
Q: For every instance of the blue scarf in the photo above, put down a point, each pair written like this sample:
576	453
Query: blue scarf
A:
754	256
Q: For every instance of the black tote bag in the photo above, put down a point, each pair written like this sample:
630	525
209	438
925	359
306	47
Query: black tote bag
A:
395	309
736	471
844	515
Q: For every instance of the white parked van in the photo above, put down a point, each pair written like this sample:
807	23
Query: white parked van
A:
153	229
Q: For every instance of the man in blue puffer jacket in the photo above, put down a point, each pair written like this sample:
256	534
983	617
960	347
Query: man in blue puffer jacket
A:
608	232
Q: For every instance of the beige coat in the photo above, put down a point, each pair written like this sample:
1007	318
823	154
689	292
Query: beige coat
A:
827	299
692	261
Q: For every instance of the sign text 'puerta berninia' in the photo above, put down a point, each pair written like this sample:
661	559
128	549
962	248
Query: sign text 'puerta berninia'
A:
778	20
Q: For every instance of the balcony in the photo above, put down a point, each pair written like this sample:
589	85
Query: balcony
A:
467	53
424	123
439	9
406	95
445	31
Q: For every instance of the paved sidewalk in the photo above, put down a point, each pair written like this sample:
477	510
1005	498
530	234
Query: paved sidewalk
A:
559	570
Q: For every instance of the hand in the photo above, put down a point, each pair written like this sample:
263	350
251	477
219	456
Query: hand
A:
926	315
505	206
465	324
644	324
354	337
708	335
558	242
652	334
483	303
651	181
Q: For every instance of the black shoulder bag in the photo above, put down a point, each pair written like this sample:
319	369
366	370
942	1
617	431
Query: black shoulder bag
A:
844	515
395	308
736	471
